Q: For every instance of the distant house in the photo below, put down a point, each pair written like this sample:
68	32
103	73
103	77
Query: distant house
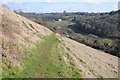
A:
59	19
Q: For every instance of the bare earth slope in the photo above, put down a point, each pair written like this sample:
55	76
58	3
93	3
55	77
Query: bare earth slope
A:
17	30
19	35
94	63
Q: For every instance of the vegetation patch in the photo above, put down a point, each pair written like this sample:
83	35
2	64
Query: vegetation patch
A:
44	61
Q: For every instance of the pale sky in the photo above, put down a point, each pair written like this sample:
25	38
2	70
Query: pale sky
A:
92	1
44	6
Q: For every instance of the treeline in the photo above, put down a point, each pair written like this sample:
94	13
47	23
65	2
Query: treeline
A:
105	25
101	24
45	16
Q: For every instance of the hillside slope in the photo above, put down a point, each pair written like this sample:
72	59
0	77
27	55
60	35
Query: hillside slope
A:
94	63
19	31
30	50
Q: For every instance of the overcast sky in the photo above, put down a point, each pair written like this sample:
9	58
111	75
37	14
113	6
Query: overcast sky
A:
45	6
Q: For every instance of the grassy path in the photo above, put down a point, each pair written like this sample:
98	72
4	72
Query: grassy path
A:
44	61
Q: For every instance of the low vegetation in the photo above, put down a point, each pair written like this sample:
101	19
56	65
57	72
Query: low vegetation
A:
43	61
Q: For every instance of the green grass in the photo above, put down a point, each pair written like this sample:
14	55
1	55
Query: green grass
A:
60	23
44	61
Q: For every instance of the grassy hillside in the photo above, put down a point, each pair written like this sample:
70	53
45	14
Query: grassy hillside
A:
30	50
46	60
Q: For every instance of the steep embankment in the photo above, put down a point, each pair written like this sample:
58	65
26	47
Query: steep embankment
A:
17	30
92	62
31	50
